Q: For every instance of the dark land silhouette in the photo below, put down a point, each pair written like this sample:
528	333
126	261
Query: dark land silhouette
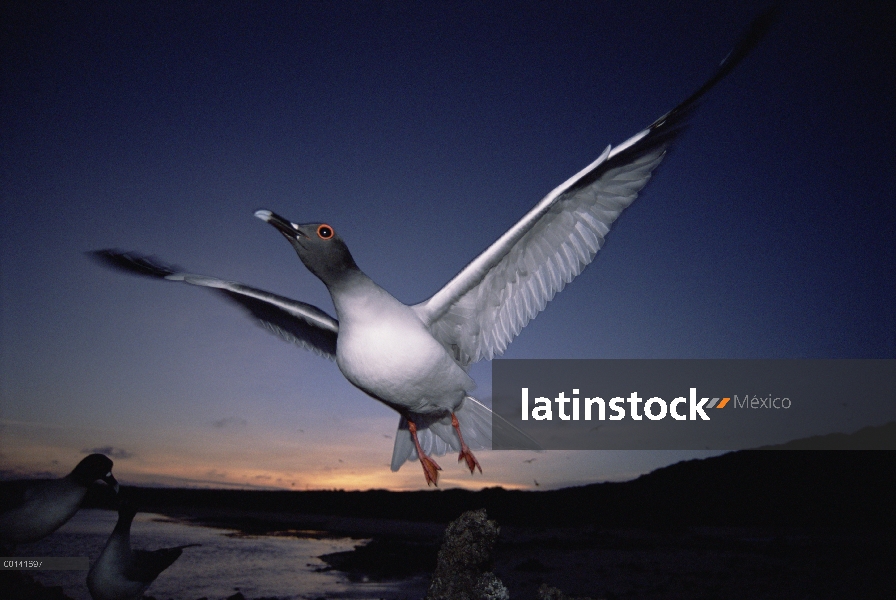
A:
758	523
739	489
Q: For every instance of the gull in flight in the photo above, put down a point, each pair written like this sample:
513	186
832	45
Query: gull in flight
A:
415	358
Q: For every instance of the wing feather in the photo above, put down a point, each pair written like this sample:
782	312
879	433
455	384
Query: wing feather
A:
297	322
479	312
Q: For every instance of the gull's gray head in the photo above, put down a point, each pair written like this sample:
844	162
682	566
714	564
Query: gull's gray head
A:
93	467
317	244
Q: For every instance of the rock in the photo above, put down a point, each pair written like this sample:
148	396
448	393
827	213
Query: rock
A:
546	592
463	570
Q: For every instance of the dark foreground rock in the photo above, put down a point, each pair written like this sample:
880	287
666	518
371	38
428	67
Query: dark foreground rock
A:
463	571
464	568
546	592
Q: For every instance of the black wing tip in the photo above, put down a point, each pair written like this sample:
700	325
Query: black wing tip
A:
754	34
676	119
749	39
132	263
668	127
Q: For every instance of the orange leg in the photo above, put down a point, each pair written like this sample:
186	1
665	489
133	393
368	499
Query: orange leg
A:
430	468
465	453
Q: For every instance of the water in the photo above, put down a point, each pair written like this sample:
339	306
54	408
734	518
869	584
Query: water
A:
227	562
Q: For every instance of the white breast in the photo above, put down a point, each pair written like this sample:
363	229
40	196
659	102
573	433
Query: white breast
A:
384	349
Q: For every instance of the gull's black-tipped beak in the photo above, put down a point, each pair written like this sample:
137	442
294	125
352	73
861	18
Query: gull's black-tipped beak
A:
282	225
111	482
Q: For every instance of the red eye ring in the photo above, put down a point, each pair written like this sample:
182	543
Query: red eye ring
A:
324	232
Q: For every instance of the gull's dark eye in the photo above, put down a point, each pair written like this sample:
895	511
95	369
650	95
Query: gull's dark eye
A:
324	232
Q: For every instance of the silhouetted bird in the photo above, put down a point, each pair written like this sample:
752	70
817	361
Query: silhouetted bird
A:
415	358
32	510
121	573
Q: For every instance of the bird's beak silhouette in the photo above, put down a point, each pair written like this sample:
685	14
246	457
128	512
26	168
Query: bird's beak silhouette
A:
281	224
111	482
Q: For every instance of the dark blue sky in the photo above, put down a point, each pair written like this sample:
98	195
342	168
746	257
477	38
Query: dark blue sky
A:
420	133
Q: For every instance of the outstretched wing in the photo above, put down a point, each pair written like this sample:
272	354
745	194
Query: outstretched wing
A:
294	321
479	312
